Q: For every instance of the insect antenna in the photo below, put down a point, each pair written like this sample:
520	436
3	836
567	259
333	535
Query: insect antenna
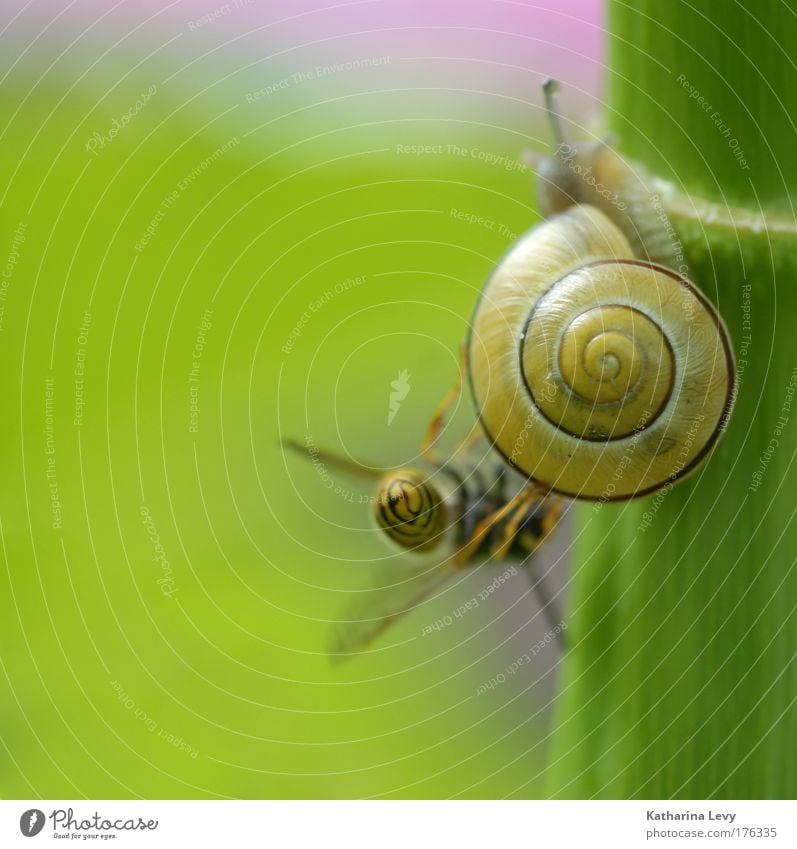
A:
330	459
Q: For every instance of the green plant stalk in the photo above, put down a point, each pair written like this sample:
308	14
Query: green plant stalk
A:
681	676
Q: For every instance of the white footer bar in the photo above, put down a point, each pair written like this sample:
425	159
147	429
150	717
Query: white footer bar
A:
399	824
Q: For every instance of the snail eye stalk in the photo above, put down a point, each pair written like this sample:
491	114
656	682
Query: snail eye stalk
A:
410	510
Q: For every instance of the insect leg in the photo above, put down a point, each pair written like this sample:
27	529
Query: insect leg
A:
475	435
512	524
484	527
556	507
436	424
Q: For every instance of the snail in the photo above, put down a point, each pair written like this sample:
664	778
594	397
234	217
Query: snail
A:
594	173
598	371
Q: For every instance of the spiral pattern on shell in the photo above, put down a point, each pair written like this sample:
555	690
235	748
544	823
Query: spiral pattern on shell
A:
596	374
410	509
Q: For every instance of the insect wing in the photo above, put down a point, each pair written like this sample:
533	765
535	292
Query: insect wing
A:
375	609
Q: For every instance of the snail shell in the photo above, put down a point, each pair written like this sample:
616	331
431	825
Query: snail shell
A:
596	374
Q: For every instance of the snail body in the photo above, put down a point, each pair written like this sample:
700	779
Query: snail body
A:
595	372
594	173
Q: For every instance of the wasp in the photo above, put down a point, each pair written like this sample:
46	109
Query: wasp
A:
468	509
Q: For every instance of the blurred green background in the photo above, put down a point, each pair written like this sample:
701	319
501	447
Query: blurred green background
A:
215	682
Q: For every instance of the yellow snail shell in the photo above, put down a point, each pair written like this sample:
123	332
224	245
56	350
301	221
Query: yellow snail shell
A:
598	375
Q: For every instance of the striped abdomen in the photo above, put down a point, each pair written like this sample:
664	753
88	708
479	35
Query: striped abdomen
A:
410	509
